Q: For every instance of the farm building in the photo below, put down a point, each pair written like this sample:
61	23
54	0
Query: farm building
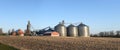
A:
51	34
20	32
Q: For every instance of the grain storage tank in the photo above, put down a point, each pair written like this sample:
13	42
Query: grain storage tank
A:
61	29
83	30
72	30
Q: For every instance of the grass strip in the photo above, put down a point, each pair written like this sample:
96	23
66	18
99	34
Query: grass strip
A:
6	47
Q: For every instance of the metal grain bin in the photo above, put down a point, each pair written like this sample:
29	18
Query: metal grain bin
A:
72	30
61	29
83	30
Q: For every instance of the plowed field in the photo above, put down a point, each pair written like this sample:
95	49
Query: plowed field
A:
61	43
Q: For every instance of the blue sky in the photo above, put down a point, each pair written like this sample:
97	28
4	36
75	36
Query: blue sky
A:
100	15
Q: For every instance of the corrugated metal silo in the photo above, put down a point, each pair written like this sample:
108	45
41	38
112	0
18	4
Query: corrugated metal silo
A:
60	28
83	30
72	30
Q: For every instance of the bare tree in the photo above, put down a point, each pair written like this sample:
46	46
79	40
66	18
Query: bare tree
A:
117	33
101	34
112	33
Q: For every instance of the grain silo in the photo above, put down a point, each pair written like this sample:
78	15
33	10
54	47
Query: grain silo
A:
61	29
72	30
83	30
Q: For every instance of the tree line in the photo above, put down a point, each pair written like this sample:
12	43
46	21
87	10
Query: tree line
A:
107	34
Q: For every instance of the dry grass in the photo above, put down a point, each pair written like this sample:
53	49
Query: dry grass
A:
61	43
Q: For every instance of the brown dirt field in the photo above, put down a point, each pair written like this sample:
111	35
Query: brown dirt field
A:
61	43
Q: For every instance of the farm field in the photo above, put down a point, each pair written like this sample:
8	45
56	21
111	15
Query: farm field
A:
61	43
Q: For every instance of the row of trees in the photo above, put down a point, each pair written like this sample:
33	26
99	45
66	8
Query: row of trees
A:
107	34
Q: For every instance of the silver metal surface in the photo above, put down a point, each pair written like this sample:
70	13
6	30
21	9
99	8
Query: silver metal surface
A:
72	30
83	30
60	28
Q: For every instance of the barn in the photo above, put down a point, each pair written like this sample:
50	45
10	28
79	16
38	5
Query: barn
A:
51	33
